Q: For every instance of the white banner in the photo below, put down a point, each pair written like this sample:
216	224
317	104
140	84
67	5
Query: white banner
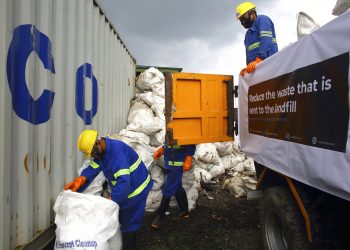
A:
294	110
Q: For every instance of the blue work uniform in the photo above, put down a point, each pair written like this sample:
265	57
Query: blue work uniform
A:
174	157
260	39
128	178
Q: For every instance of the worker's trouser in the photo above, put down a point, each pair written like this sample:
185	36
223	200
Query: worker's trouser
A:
173	181
129	241
131	218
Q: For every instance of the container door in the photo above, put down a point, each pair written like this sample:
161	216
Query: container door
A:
198	108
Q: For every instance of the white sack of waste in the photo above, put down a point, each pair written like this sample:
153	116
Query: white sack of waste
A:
149	125
159	89
206	152
149	77
149	98
158	139
138	110
236	186
153	200
192	197
159	111
249	182
227	161
237	159
202	175
305	25
224	148
140	137
239	168
340	7
95	187
141	119
213	169
208	159
249	168
236	149
155	102
86	222
188	179
158	176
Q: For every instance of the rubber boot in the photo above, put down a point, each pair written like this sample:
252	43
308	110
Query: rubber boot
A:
181	198
129	240
157	221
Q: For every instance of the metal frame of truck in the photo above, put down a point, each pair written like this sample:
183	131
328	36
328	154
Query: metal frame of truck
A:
305	202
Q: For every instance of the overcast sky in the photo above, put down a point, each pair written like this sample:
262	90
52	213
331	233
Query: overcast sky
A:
202	36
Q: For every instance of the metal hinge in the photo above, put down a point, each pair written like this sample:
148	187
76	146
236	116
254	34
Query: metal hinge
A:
235	90
235	127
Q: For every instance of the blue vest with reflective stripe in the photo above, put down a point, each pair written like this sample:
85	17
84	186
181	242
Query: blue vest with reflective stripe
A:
260	39
125	172
174	155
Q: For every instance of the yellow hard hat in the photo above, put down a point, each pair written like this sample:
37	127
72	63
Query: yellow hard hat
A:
244	8
87	141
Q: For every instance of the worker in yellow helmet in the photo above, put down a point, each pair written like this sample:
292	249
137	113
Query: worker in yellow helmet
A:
260	38
126	174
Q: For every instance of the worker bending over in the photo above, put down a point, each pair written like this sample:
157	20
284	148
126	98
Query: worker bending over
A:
126	174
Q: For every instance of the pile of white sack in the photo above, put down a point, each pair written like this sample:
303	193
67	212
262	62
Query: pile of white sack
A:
145	133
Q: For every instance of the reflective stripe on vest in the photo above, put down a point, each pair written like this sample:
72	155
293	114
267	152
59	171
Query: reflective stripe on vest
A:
175	146
140	188
253	46
135	165
265	33
176	163
128	170
94	165
121	172
257	44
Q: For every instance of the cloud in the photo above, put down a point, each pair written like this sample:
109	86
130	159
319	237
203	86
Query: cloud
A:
201	35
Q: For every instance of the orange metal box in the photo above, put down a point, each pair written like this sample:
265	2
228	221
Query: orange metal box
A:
198	108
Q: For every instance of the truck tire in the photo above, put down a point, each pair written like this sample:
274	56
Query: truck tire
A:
282	225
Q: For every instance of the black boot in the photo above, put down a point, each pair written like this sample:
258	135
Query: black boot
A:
157	221
129	240
182	201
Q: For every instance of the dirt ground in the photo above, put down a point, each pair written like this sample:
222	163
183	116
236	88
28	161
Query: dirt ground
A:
220	223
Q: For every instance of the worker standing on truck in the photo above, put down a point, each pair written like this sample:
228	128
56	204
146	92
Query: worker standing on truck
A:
126	174
178	159
260	42
260	38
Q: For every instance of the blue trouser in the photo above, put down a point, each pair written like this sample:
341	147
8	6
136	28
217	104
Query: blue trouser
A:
131	218
173	181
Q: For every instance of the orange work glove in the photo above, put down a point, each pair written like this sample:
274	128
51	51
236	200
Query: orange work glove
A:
251	66
187	163
243	71
159	152
76	183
